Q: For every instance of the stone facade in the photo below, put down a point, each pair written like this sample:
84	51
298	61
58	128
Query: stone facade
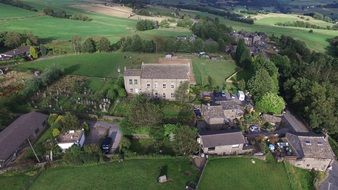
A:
158	80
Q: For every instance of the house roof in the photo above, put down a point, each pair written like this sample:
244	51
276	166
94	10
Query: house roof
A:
132	72
271	118
233	104
212	112
13	136
310	146
18	51
72	136
165	71
222	139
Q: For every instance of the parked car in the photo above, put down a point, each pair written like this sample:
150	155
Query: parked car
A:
106	145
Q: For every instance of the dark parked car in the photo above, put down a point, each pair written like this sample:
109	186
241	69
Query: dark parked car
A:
106	145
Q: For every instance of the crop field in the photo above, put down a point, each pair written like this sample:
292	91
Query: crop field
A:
241	173
93	65
218	70
130	174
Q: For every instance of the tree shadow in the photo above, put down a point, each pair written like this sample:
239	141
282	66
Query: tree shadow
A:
72	69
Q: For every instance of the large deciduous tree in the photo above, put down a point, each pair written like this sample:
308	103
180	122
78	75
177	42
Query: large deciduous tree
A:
261	83
185	141
88	46
270	103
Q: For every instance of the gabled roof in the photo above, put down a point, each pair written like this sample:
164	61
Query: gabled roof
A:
13	136
132	72
310	146
165	71
222	139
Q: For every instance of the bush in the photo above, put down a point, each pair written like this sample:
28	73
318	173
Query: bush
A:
143	25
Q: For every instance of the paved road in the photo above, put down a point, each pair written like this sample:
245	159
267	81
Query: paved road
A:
331	183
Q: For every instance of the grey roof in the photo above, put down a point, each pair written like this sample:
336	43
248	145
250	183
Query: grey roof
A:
132	72
309	146
212	112
18	51
271	118
165	71
13	136
222	139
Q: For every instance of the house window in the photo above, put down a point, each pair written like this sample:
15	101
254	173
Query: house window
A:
307	142
164	95
155	85
131	90
211	148
135	81
164	85
130	81
148	85
172	95
320	143
156	94
235	146
172	85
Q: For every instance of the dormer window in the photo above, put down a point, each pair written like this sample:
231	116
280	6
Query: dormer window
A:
320	143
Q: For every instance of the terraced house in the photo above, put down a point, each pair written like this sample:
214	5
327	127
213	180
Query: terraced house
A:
158	79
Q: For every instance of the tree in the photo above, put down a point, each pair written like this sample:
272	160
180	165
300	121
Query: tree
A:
270	103
185	141
198	45
181	93
76	42
13	40
103	45
261	83
33	52
124	144
144	112
88	46
86	127
70	122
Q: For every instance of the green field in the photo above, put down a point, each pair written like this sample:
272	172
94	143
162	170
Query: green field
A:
241	173
130	174
93	65
218	70
7	11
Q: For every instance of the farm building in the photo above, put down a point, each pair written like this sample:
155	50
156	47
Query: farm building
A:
222	143
312	152
14	137
70	138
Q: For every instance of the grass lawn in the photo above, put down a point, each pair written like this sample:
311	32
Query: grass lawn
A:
241	173
93	65
15	182
130	174
219	70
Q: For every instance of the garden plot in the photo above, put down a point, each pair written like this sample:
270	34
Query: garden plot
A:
71	93
12	82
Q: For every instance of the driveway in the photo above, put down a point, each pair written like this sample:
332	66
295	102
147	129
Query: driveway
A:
292	122
331	183
99	130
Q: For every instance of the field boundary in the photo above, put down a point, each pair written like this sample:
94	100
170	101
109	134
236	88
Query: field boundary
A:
203	169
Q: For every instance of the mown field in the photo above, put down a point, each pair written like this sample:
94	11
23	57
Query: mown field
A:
218	70
51	28
130	174
241	173
93	65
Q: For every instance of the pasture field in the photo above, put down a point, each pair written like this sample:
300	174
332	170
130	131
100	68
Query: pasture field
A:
51	28
93	65
7	11
218	70
15	181
130	174
241	173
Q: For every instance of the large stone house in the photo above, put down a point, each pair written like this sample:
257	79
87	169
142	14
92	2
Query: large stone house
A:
15	137
222	143
159	80
312	152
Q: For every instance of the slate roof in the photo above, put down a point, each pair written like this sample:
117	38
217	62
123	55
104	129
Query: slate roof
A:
165	71
310	146
18	51
222	139
132	72
271	118
209	112
13	136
